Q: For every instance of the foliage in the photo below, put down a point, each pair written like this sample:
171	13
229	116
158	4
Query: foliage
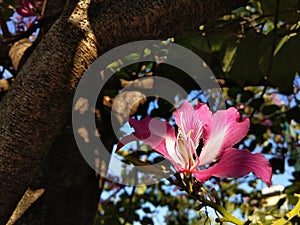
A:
254	54
250	56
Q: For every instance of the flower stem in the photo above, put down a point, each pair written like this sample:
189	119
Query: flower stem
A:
227	217
186	185
294	212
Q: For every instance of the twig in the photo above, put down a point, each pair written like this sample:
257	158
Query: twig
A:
129	205
112	195
227	217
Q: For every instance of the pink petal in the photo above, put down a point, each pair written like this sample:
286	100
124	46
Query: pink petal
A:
226	130
205	115
156	133
238	163
27	8
187	110
190	123
24	12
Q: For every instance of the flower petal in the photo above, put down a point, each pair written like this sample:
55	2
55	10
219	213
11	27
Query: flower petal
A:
158	134
238	163
205	115
185	112
190	123
226	130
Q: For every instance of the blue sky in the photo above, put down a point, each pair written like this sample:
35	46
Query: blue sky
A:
158	218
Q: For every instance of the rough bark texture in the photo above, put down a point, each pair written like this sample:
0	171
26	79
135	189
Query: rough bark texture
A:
35	109
71	187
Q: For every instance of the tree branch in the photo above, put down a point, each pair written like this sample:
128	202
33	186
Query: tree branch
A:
39	101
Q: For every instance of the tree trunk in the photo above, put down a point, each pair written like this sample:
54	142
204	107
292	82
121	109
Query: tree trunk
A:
39	101
71	187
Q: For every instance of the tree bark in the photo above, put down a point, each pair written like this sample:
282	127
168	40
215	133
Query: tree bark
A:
39	101
70	186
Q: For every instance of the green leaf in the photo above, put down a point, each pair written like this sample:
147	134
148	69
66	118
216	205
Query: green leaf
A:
257	5
229	53
281	43
195	42
286	65
217	39
204	46
242	11
241	60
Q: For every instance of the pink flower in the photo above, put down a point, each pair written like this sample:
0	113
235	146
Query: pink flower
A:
213	134
28	8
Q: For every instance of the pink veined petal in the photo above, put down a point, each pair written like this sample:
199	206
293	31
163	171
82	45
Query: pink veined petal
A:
225	131
158	134
236	129
141	127
190	126
238	163
185	108
205	115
